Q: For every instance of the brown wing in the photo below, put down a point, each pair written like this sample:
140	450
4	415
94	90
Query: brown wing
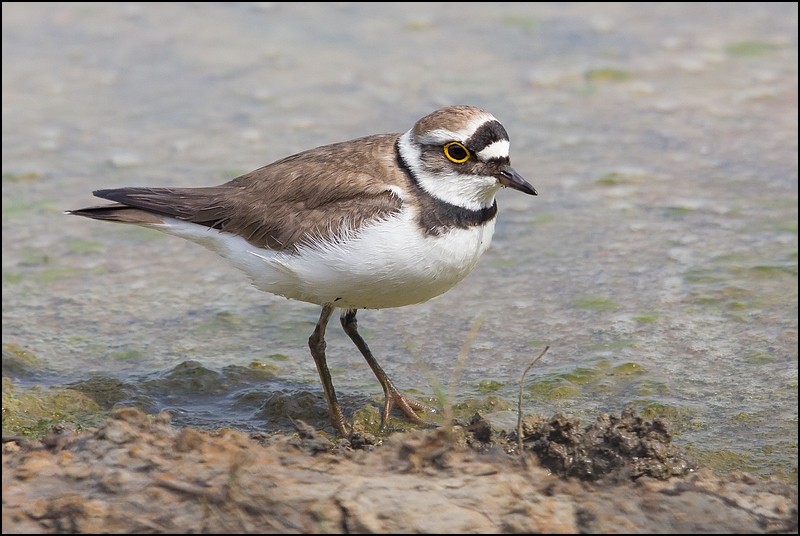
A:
313	194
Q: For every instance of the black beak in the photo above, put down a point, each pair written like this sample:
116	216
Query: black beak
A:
511	179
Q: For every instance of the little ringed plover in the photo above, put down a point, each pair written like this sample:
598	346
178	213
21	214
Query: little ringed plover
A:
381	221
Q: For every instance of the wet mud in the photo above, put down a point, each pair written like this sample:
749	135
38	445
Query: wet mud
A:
139	473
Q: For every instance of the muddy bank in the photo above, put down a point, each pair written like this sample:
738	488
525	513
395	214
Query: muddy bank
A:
138	473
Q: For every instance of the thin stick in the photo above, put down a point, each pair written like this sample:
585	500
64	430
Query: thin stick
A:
454	378
519	404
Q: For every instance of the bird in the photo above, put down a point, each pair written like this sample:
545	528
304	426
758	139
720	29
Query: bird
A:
381	221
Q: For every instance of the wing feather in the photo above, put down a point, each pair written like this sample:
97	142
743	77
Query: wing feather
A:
320	193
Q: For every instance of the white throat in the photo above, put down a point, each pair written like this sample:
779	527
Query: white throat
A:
469	191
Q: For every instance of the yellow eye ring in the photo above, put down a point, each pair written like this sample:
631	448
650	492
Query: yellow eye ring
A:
456	152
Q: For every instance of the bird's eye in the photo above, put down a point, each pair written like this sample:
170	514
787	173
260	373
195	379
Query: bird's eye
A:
456	152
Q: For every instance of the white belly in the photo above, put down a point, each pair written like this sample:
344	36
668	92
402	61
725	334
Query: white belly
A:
388	264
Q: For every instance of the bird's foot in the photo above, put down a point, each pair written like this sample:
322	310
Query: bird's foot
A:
409	408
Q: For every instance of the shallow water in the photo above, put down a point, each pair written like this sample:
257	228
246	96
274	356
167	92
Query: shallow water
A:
659	261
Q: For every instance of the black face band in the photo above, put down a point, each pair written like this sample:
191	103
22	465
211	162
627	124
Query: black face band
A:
487	134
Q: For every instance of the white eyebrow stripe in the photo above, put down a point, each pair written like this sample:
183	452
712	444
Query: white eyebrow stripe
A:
498	149
440	135
443	135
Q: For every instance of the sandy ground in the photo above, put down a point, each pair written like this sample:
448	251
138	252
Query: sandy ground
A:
620	474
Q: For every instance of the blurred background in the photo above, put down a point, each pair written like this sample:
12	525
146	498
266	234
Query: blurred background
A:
659	261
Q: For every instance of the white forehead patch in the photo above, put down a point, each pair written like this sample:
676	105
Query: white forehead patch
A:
498	149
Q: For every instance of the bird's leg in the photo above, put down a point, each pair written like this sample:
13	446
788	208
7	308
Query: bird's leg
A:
392	394
317	345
